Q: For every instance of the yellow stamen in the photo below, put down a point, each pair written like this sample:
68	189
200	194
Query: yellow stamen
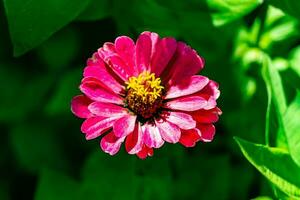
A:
144	93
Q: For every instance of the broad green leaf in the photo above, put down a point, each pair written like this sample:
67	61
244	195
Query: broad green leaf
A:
275	91
291	7
55	185
294	59
31	22
275	164
98	9
292	128
227	11
60	49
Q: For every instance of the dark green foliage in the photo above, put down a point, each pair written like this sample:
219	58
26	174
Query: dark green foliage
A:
251	48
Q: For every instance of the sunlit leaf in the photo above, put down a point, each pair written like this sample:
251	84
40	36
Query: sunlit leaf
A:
275	91
31	22
295	60
227	11
275	164
292	128
291	7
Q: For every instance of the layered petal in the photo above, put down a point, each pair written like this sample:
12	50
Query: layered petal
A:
95	126
96	91
162	54
96	68
151	136
125	47
143	51
182	120
188	86
207	116
190	103
145	152
190	137
169	131
120	67
207	132
186	63
125	125
106	109
79	106
134	141
111	144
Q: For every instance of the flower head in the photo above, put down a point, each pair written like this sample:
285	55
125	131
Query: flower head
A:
146	93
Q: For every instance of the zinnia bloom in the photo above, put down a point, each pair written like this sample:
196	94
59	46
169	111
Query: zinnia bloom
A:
146	93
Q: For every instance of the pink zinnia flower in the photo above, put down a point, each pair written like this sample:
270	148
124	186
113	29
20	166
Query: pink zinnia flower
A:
145	94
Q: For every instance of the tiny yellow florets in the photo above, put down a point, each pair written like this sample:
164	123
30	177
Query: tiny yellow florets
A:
144	93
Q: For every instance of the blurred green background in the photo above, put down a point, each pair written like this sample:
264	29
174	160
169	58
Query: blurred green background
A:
43	49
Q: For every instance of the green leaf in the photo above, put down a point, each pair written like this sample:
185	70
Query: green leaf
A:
278	27
55	185
227	11
98	9
276	93
31	22
292	128
275	164
291	7
60	49
294	59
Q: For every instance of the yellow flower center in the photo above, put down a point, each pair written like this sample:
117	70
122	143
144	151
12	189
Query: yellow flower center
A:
144	94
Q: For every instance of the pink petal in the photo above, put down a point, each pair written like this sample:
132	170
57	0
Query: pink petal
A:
207	132
190	103
96	68
96	91
146	151
106	109
111	144
189	137
188	86
134	141
143	52
169	132
95	126
163	53
207	116
187	63
154	40
182	120
124	125
107	50
79	106
211	89
120	67
151	136
125	47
